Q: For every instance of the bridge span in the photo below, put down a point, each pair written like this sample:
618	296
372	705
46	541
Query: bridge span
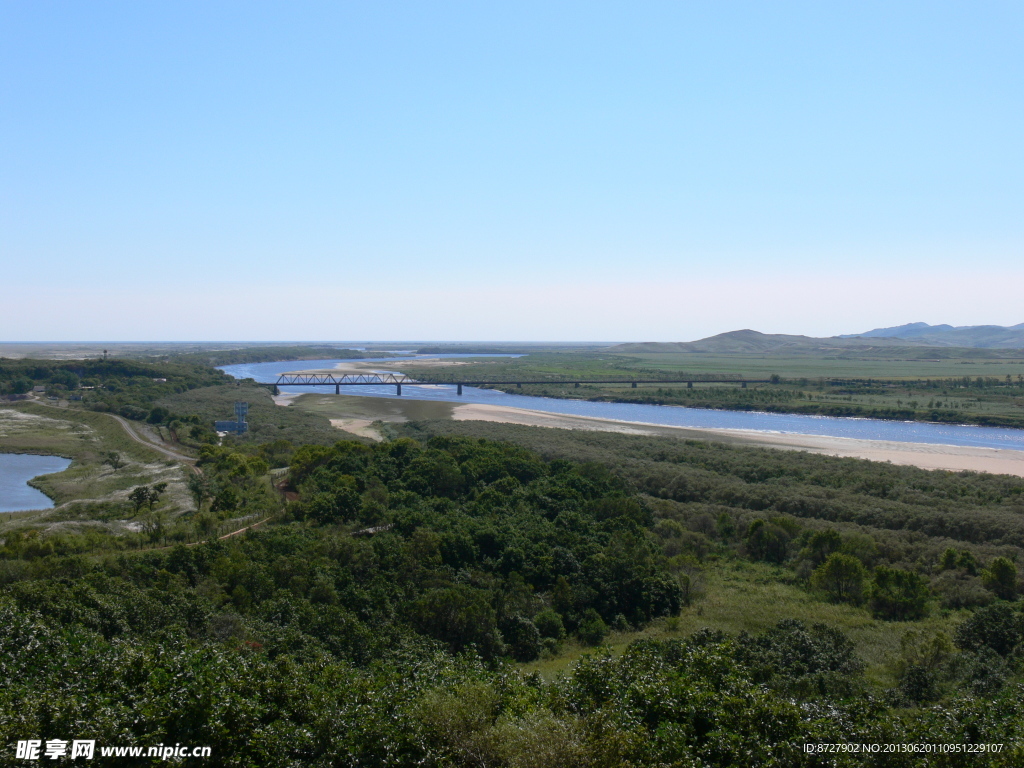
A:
398	379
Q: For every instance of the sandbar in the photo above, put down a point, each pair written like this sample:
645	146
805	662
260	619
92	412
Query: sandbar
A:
924	455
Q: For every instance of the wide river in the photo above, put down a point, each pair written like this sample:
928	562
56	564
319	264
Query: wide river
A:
16	469
668	415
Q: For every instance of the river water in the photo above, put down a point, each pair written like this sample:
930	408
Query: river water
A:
667	415
16	469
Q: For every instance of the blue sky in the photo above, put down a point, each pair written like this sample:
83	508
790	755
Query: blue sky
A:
530	171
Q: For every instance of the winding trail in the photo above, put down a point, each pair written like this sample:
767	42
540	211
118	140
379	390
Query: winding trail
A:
130	431
188	461
172	454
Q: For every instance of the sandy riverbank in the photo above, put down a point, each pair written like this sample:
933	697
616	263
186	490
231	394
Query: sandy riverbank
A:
926	456
357	414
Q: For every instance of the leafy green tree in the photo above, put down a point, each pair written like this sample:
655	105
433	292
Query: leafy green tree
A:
226	499
65	378
158	415
114	460
460	617
200	488
139	497
522	638
767	541
155	493
549	624
592	629
841	577
949	559
897	594
434	473
725	526
998	627
1001	578
822	544
968	562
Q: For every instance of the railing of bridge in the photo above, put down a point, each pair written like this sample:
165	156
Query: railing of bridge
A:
307	379
329	379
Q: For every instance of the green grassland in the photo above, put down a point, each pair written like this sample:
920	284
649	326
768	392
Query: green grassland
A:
738	596
372	408
86	438
977	391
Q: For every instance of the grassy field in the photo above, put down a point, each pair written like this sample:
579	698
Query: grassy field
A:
86	438
738	596
372	408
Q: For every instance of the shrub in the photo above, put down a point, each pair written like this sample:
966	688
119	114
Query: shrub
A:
592	629
897	594
767	541
1001	578
998	627
841	577
549	624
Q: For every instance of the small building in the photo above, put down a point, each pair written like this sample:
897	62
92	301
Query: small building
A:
239	425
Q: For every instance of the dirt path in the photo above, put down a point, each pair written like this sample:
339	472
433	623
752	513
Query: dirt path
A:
242	530
171	454
130	431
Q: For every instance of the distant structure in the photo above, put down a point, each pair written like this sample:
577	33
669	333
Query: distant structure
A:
239	425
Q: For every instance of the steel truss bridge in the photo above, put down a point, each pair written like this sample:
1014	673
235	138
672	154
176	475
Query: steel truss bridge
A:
398	379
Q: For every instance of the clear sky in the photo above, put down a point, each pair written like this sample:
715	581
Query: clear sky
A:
529	170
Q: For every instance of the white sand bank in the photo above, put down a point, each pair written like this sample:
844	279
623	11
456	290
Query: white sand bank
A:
926	456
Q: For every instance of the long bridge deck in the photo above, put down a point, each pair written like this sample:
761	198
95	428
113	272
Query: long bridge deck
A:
398	379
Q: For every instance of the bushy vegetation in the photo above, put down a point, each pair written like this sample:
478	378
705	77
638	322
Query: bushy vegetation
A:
381	618
122	386
267	422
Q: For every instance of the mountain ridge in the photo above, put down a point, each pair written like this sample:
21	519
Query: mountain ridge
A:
983	336
920	337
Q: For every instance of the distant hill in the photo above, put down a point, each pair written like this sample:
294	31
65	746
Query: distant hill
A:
748	341
971	342
984	336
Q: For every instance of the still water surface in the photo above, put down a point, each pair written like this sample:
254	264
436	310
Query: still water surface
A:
667	415
16	469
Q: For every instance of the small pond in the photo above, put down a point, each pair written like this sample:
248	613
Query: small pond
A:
16	469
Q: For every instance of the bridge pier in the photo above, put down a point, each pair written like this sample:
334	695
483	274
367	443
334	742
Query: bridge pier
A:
689	385
519	385
337	389
399	387
743	385
634	385
460	389
576	385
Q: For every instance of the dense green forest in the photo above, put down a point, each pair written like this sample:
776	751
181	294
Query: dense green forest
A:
123	386
383	617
